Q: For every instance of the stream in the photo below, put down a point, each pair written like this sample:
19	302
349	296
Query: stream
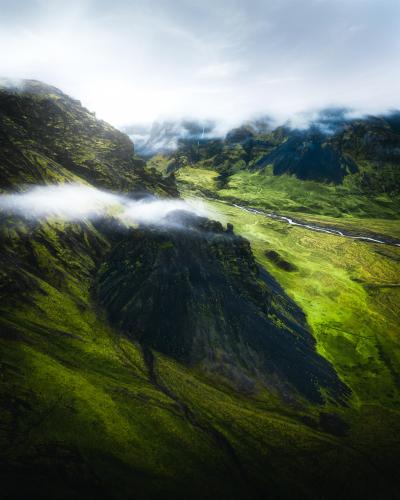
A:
387	240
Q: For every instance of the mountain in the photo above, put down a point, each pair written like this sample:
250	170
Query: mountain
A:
163	360
163	137
198	296
54	138
48	137
331	149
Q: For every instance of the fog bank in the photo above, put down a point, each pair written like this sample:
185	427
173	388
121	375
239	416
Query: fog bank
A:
76	202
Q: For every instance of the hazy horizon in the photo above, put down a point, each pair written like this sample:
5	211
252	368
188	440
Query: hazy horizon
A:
139	62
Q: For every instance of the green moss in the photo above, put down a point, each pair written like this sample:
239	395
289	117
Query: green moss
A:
331	286
287	194
51	138
348	289
198	177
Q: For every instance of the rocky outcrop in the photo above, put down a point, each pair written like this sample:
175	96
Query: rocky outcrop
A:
193	291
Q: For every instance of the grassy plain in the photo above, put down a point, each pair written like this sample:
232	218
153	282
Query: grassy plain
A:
349	290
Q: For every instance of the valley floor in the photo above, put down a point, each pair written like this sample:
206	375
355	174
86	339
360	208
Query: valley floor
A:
84	416
350	292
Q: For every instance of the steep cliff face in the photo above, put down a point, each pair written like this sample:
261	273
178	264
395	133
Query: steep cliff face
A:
194	292
309	156
48	137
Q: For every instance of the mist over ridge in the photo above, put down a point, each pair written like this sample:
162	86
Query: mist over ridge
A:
165	136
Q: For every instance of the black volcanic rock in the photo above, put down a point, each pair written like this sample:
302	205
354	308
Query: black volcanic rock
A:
309	157
193	291
274	257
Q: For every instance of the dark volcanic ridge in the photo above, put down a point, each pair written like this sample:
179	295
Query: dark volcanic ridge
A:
198	296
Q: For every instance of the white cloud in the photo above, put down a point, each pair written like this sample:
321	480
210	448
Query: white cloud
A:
145	60
73	202
219	70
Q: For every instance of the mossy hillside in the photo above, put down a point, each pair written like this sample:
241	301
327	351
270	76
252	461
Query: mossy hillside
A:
257	427
349	291
78	397
197	177
48	137
73	385
286	194
159	162
196	294
363	154
68	378
64	399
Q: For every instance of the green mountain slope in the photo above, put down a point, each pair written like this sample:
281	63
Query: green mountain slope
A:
198	296
48	137
335	166
100	398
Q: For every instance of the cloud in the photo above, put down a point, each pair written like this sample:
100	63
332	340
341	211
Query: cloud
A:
137	61
75	202
219	71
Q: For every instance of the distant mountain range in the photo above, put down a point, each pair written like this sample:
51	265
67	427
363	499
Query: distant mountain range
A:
164	137
332	146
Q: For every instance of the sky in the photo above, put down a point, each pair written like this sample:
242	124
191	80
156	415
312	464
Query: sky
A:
135	61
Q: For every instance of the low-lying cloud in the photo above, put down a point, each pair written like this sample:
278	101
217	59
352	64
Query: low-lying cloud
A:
76	202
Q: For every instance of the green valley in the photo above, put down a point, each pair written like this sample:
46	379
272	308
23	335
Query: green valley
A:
195	359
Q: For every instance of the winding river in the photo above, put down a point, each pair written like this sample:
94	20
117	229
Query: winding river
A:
386	240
